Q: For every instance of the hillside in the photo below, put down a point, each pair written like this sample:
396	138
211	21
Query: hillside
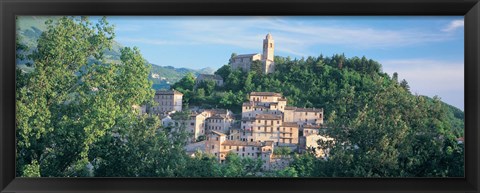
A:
30	29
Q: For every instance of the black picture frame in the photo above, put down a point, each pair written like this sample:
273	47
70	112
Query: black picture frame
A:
10	8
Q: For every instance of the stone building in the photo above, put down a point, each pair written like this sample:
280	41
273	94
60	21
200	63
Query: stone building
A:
303	116
218	145
196	126
199	122
167	101
220	123
244	61
211	77
267	122
264	103
267	117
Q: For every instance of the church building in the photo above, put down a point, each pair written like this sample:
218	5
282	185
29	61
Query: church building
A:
244	61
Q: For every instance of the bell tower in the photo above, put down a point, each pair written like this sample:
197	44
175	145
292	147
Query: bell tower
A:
267	57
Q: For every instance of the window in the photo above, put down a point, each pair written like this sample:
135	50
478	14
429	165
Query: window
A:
306	113
278	122
213	146
253	148
192	124
243	148
217	138
215	154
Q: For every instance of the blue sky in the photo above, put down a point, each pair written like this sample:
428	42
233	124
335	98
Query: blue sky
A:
427	51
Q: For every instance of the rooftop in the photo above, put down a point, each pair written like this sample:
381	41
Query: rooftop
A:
168	92
265	94
309	110
219	117
304	109
247	143
289	124
217	111
217	133
245	55
268	117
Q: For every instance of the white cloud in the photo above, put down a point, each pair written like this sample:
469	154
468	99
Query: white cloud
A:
453	25
292	37
297	37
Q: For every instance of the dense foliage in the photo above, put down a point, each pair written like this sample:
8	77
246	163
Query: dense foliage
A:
76	112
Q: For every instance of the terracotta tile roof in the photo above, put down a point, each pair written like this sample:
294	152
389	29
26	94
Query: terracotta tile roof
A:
309	110
289	124
167	92
218	117
265	94
268	117
309	126
217	133
247	143
304	109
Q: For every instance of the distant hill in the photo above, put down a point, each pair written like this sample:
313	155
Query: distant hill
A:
29	29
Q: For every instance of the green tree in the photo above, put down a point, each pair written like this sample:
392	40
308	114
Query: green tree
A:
186	83
75	107
404	85
56	95
224	71
257	67
287	172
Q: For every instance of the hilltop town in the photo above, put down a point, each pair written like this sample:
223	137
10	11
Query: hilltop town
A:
265	125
